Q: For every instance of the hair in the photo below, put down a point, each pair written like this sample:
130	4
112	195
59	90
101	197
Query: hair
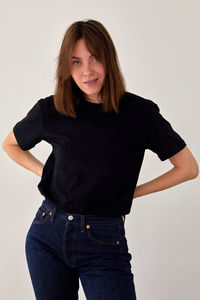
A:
67	94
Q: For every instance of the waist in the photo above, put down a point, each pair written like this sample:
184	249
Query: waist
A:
76	218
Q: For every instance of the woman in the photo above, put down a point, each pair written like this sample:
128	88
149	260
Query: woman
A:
99	133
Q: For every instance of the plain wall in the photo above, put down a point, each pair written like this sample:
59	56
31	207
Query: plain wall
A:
158	48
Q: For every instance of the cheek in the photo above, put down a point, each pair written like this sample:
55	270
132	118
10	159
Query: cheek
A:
102	76
75	76
102	71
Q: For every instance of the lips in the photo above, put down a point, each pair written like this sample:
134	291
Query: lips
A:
92	80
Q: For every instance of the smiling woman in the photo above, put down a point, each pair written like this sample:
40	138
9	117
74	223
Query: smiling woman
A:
88	73
99	133
88	53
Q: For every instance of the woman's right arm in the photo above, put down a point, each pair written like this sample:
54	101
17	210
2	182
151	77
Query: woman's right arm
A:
21	157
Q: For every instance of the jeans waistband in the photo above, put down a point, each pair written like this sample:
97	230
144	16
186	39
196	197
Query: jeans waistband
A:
80	218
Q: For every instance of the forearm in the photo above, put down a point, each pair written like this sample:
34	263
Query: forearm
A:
25	159
171	178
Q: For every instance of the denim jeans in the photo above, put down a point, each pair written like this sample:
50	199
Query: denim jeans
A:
62	247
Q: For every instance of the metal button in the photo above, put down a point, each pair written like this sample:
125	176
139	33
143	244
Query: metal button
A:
70	217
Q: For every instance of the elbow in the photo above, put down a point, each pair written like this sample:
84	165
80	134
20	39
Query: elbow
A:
3	145
195	169
188	173
186	163
193	172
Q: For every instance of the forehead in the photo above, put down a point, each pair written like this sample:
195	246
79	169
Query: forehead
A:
79	46
80	50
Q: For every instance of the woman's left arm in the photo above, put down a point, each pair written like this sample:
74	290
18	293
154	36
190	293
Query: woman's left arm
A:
185	168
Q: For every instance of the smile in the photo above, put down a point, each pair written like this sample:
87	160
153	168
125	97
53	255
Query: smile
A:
91	82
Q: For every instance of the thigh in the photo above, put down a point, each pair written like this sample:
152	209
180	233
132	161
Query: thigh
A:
51	277
107	271
108	284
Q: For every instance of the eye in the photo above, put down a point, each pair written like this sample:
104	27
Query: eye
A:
74	62
77	61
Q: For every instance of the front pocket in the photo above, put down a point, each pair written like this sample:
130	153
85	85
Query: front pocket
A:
42	215
104	234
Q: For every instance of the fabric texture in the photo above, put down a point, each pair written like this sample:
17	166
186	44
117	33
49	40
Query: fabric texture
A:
96	158
62	248
29	130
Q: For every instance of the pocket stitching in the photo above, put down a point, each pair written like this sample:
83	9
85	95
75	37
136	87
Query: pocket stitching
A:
39	214
91	237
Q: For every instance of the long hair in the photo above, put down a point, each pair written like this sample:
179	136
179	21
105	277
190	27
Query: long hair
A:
67	94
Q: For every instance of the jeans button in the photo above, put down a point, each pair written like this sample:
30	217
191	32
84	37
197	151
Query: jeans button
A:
70	217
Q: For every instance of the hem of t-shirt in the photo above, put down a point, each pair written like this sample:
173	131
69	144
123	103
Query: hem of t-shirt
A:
18	138
173	152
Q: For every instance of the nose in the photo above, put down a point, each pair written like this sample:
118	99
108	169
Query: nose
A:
87	69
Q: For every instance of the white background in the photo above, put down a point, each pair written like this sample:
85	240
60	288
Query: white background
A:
158	47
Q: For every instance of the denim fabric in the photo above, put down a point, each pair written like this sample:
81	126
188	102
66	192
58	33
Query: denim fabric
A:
62	247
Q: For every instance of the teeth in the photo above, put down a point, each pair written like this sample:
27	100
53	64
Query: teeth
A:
91	81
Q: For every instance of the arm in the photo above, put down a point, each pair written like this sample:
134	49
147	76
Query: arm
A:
21	157
185	168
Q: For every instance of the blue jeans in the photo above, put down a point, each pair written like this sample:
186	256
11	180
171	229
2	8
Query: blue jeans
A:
62	247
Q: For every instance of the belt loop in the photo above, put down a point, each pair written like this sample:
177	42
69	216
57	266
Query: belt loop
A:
52	214
82	223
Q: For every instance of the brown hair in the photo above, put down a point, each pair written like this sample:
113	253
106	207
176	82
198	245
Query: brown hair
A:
98	41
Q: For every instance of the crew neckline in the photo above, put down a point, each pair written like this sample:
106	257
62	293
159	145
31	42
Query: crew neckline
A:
91	103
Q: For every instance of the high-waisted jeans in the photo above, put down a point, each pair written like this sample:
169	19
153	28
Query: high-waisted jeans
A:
62	247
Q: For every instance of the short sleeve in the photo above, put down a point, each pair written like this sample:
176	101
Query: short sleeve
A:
161	138
29	130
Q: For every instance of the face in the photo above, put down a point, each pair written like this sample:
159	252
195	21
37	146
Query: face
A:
86	67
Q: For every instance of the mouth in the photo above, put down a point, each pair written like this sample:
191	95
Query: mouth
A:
91	81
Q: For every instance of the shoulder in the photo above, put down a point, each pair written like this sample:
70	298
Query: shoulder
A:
47	104
139	103
47	101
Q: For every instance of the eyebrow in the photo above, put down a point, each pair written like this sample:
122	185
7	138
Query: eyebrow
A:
74	57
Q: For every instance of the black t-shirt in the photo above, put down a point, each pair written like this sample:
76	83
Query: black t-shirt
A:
96	158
